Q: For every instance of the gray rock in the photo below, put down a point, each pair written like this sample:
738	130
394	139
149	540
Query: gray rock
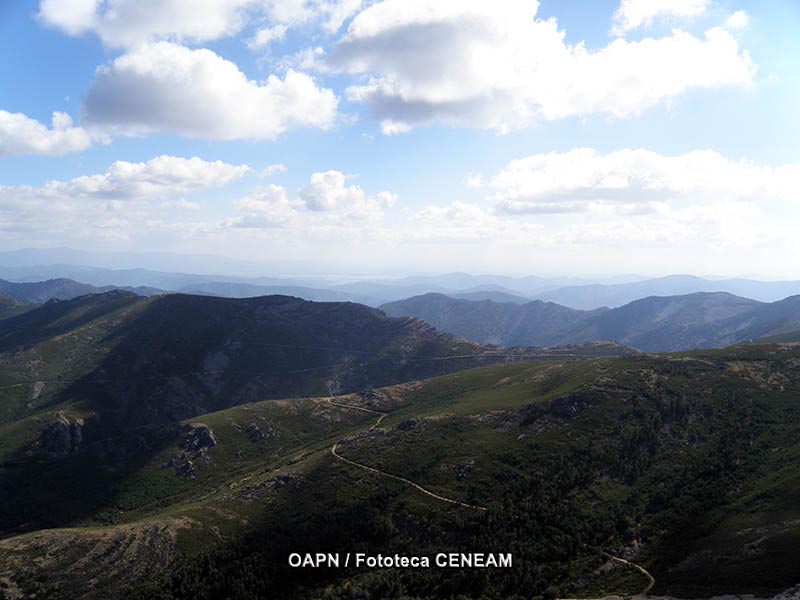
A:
199	436
60	437
57	437
254	431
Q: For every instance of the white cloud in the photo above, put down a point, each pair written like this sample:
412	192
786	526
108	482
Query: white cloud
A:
181	203
738	20
19	134
329	193
265	208
126	23
640	179
165	87
271	170
495	65
266	36
633	14
160	177
114	204
326	204
121	23
474	181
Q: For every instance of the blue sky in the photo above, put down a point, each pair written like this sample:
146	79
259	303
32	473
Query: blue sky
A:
571	137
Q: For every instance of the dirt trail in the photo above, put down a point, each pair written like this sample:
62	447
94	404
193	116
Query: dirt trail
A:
390	475
651	581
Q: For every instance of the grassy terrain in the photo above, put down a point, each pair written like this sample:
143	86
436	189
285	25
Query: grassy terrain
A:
686	464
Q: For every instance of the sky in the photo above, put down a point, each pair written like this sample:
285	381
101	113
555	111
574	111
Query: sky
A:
560	137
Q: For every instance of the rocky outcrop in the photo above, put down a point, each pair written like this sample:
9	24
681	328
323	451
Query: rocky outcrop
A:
197	440
255	433
198	436
567	406
61	437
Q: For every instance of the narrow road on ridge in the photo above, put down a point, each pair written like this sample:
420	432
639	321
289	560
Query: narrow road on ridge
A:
390	475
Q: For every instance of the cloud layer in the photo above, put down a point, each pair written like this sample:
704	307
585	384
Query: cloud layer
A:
569	181
477	64
126	23
106	204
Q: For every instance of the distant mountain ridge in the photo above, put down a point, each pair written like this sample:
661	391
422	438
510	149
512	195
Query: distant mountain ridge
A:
654	324
588	297
61	289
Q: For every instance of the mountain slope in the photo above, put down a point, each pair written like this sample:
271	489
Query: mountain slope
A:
10	307
536	323
685	464
663	324
171	357
654	324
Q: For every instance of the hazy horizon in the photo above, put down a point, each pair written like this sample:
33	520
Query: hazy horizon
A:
203	264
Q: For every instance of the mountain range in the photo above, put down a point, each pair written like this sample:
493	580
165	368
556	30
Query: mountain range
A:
62	289
239	279
653	324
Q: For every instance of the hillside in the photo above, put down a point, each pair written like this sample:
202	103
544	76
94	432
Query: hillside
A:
175	356
10	307
683	464
535	323
655	324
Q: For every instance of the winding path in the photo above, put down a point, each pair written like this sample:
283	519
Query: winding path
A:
390	475
651	581
382	415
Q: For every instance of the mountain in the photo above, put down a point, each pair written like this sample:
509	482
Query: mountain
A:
663	324
588	297
248	290
655	324
164	358
10	307
61	289
536	323
586	471
490	294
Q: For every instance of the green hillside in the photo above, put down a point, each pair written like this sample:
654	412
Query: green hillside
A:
11	307
683	464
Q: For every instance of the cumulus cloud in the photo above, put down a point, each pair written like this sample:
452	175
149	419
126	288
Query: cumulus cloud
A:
326	202
490	65
114	203
271	170
122	23
578	179
266	36
328	192
738	20
195	93
126	23
157	178
633	14
265	208
19	134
